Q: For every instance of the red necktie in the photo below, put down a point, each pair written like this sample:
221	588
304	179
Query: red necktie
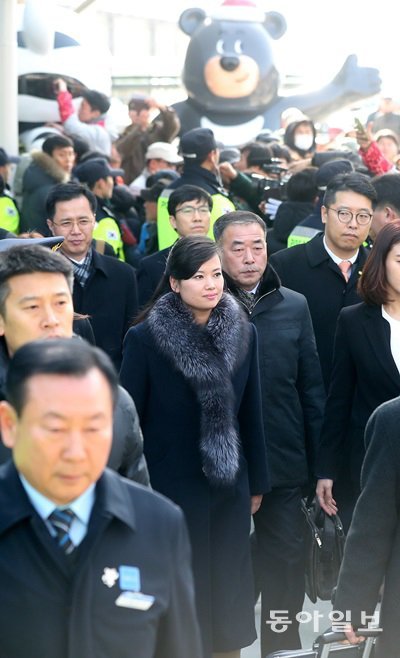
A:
344	267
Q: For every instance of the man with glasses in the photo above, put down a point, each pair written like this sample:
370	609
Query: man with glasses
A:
326	269
189	209
104	287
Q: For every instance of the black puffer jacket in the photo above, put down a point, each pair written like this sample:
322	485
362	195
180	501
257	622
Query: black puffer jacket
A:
293	395
126	456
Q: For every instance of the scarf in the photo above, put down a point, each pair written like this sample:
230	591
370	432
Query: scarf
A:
207	356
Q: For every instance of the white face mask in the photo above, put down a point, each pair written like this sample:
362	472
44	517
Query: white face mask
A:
303	142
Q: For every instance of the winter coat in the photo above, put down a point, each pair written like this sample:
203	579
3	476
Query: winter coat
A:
308	269
40	176
372	551
293	394
197	393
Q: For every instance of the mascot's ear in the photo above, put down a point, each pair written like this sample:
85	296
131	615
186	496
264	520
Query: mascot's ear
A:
275	24
190	19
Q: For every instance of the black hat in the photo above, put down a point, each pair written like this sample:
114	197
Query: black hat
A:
330	169
93	169
53	242
152	193
230	154
197	143
6	159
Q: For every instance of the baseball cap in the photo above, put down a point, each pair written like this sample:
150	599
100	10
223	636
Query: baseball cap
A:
93	169
152	193
6	159
52	242
163	151
197	143
330	169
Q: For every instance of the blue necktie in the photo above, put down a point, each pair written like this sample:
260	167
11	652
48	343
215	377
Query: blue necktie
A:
61	521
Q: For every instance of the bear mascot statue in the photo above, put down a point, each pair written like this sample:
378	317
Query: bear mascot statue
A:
232	82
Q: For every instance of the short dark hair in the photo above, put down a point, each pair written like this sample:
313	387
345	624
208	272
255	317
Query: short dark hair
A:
236	217
66	192
65	356
373	284
352	182
56	142
258	154
187	193
302	186
30	259
387	187
96	100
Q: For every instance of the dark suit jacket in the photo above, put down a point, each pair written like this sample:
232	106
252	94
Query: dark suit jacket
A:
364	375
68	612
149	274
110	299
308	268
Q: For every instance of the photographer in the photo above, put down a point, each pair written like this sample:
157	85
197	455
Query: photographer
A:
259	182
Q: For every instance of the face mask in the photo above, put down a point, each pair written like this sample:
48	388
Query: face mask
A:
303	142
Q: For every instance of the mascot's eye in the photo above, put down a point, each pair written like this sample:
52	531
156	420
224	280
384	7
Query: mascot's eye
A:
238	47
220	47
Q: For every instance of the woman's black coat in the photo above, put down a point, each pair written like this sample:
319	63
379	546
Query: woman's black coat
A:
218	518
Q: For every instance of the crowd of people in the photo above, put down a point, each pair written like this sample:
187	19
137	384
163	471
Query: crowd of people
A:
245	307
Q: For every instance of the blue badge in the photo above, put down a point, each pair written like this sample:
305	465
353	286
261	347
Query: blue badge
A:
129	578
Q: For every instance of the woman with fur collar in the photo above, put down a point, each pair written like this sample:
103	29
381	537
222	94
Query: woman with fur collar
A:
191	368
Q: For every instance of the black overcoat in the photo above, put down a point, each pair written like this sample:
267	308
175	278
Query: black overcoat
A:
372	551
52	611
110	299
218	518
308	268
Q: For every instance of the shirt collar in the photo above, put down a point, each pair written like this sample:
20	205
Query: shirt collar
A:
81	506
338	260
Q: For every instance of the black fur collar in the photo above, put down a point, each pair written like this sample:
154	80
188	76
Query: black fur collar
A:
207	356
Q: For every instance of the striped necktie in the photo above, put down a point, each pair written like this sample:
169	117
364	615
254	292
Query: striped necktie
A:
61	521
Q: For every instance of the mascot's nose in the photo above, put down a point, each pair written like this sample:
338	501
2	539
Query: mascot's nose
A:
229	63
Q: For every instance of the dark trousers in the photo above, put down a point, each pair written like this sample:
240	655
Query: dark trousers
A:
279	563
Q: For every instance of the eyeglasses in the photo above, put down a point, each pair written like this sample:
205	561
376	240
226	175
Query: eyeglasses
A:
67	224
190	211
346	216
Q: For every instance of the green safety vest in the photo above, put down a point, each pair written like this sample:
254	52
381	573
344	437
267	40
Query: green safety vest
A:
9	215
301	234
107	229
167	234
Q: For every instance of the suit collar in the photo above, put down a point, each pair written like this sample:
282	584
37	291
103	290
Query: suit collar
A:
378	334
15	505
112	498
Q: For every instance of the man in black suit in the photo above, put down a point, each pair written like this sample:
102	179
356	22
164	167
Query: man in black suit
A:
326	269
101	564
104	288
189	209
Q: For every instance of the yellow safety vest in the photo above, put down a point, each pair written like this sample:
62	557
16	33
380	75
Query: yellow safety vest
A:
107	229
167	234
9	215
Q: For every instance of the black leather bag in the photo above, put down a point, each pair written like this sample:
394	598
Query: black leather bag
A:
324	537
